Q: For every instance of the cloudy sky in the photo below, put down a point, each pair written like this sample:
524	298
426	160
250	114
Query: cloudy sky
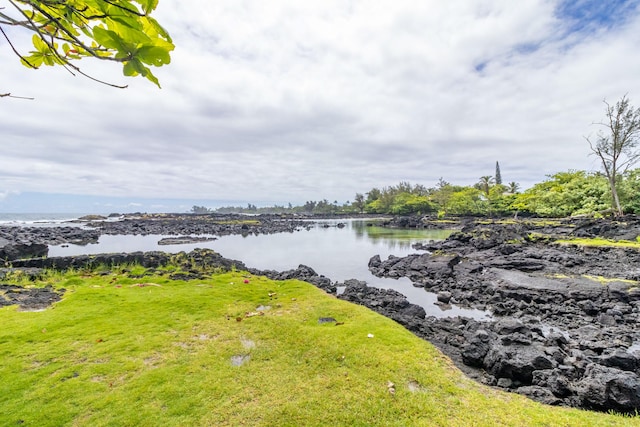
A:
286	101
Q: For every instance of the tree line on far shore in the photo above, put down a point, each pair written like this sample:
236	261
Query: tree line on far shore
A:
562	194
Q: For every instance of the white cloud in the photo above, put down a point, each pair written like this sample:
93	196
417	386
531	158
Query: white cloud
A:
290	101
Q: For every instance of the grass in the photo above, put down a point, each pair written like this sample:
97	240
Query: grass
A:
118	351
444	221
606	280
600	242
599	279
538	222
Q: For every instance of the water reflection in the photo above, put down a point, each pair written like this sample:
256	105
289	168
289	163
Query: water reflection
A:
396	238
339	253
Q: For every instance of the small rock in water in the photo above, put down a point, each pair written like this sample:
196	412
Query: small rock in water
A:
444	297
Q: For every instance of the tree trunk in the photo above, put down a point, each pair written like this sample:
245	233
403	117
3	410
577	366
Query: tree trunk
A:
616	199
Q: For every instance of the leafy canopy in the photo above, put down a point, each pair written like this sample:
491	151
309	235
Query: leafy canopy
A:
67	31
617	147
564	194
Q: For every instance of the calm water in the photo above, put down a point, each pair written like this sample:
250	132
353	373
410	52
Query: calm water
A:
337	253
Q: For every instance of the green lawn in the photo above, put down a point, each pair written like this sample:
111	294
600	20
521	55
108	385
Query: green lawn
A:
119	351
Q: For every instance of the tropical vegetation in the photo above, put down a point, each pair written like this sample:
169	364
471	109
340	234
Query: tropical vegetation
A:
562	194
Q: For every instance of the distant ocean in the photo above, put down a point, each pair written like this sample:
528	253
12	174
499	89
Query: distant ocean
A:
37	218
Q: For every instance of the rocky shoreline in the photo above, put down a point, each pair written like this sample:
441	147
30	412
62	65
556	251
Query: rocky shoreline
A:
565	317
27	242
565	328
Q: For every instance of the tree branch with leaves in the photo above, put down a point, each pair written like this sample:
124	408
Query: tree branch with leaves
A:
617	147
66	31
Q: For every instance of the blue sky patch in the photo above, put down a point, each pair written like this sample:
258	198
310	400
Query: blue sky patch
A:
588	15
479	67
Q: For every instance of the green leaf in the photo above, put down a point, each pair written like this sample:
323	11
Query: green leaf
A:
134	67
153	55
152	27
153	78
109	39
39	44
119	24
129	69
149	5
34	60
130	35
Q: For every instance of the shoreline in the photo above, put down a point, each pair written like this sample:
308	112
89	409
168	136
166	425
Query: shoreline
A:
565	316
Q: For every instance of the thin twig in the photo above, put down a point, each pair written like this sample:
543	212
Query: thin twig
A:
95	79
15	51
135	12
8	95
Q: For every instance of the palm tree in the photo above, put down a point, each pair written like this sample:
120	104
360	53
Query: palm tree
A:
513	187
485	183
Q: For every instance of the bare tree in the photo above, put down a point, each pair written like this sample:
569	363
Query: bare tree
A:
617	146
